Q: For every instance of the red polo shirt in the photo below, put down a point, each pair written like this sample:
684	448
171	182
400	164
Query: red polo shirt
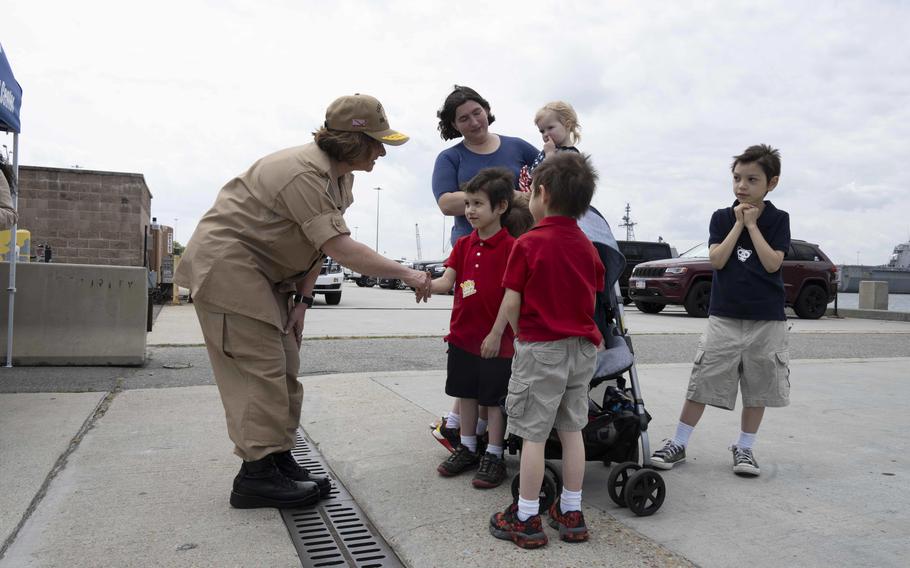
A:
557	270
479	266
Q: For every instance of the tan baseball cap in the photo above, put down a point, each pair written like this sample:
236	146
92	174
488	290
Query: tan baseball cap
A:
362	113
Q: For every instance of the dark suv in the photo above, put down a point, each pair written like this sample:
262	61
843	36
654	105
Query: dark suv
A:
810	281
637	252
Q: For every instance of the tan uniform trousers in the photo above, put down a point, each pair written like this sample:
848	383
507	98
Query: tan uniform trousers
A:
255	368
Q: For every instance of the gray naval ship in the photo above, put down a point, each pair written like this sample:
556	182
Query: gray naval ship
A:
896	273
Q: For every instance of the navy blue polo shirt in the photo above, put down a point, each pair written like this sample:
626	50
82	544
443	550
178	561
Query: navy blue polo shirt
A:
743	288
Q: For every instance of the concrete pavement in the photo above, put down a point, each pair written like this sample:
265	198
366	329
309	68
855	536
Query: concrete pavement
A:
832	490
140	477
374	312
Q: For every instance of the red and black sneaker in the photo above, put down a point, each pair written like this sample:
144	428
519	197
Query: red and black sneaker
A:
525	534
461	460
571	525
448	437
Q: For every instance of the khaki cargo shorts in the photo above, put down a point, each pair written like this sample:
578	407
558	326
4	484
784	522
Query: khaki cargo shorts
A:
752	355
549	387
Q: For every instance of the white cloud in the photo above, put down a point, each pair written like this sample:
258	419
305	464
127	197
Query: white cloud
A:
191	93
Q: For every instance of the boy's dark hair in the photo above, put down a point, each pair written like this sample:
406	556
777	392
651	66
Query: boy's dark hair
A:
456	98
518	220
344	146
570	180
498	184
766	157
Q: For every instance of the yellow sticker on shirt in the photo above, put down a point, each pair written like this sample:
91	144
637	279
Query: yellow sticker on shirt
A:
467	288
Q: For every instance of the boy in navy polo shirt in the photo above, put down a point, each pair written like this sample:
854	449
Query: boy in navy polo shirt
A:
551	280
746	342
476	266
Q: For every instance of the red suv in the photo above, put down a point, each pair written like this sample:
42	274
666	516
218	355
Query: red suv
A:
810	281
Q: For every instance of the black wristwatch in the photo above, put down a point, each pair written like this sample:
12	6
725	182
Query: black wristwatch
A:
301	299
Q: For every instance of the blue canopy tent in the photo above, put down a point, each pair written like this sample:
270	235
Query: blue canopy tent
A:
10	104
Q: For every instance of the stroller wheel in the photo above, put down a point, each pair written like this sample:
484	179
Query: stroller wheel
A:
549	490
617	480
644	492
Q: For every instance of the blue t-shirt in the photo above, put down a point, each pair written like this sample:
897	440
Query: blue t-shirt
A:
457	165
743	289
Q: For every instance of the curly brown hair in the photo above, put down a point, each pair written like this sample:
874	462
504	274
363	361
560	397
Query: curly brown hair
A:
342	146
518	220
569	179
446	115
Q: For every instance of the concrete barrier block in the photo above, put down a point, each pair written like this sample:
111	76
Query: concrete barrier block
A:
75	314
873	295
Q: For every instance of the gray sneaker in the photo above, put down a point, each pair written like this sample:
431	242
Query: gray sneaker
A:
669	455
744	463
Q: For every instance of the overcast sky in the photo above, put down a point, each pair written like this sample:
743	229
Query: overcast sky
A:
190	93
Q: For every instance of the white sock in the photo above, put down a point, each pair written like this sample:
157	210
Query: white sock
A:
746	441
683	431
527	508
495	450
453	420
481	426
569	501
470	442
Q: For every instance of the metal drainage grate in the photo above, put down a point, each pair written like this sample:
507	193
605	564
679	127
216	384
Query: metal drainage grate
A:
335	532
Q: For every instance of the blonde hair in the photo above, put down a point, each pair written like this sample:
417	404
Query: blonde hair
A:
566	116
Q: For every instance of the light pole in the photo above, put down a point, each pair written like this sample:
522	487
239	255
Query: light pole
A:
378	189
355	232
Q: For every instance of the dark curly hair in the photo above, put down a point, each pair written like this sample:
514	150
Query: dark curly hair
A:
343	146
446	115
518	220
570	180
496	183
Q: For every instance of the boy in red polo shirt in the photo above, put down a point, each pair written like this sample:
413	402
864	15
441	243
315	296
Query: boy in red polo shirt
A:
551	279
476	266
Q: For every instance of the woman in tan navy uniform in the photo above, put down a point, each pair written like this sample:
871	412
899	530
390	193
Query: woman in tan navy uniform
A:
251	266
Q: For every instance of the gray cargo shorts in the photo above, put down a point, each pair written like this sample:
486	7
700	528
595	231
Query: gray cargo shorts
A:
549	387
748	354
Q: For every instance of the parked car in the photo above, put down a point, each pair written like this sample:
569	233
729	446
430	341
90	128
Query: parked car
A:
637	252
394	283
364	281
435	267
810	281
329	281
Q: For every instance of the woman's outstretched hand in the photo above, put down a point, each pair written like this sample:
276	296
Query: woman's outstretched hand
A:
420	282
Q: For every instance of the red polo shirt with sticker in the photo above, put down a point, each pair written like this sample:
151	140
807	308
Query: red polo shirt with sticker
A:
479	266
557	270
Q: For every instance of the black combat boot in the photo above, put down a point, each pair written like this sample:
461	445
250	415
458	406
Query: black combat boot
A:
261	484
292	470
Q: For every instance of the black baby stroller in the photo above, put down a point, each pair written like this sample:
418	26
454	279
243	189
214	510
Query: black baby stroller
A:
619	421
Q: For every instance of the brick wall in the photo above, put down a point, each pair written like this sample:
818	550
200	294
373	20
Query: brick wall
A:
87	217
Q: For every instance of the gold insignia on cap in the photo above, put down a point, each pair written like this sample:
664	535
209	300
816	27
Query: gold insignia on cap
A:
394	137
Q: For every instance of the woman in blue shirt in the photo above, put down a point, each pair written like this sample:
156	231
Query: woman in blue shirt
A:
466	114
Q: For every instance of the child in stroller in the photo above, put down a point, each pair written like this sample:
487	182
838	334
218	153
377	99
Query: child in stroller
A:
619	421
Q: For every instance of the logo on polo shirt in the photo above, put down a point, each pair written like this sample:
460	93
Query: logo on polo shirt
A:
467	288
743	254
